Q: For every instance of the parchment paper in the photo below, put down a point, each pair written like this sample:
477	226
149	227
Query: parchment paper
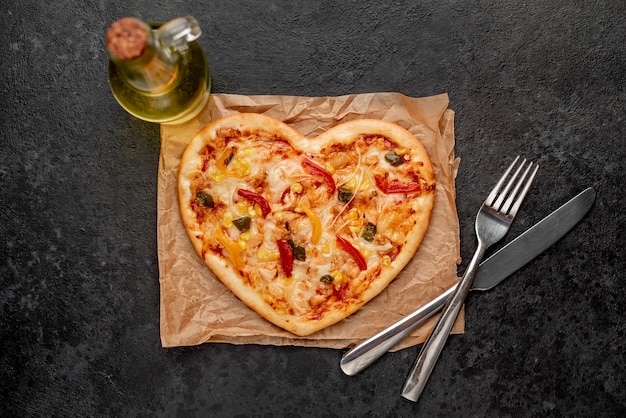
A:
197	308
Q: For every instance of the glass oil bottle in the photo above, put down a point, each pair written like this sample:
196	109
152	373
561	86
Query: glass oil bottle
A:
158	73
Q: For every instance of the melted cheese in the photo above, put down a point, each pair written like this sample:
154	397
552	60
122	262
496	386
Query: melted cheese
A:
257	166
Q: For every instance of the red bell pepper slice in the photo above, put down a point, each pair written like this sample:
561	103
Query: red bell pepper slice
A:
316	170
286	257
256	198
395	186
356	255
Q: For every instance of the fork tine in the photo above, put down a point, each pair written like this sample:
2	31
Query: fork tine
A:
494	192
513	195
503	194
522	195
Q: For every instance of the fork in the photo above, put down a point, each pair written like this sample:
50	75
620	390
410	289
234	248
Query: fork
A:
492	223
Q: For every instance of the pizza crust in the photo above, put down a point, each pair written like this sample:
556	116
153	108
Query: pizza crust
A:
202	235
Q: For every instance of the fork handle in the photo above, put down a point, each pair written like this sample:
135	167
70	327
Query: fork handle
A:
416	381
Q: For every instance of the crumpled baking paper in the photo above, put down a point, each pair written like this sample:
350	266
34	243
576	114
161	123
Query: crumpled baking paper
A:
197	308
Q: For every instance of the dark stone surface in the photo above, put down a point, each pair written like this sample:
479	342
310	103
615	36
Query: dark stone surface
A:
79	306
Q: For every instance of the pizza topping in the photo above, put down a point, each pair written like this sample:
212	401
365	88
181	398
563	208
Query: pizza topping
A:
394	159
316	170
296	188
345	194
391	186
243	223
368	232
356	255
204	198
326	279
223	159
265	254
228	159
315	222
233	249
256	198
286	257
298	251
230	164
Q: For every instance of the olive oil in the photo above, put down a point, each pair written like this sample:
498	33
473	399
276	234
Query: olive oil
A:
159	83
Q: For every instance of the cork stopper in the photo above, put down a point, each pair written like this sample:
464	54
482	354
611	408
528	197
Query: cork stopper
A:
127	38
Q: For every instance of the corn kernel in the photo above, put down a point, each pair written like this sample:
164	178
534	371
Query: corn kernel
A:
330	169
355	222
242	244
337	276
366	253
264	254
351	183
227	220
217	175
246	235
353	213
248	151
327	248
239	167
295	188
254	211
242	207
402	151
386	260
365	184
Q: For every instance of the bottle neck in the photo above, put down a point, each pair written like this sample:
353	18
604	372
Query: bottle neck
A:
135	50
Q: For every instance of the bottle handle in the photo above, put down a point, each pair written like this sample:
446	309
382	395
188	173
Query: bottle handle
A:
177	33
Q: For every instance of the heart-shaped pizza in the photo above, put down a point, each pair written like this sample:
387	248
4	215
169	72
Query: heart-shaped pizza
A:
305	231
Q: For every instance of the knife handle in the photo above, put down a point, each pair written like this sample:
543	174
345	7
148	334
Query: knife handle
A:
364	354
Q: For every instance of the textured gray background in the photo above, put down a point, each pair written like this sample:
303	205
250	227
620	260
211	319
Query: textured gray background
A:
79	306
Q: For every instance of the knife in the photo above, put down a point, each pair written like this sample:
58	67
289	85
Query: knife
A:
492	271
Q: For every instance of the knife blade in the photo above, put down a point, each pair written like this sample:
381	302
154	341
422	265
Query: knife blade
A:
491	272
